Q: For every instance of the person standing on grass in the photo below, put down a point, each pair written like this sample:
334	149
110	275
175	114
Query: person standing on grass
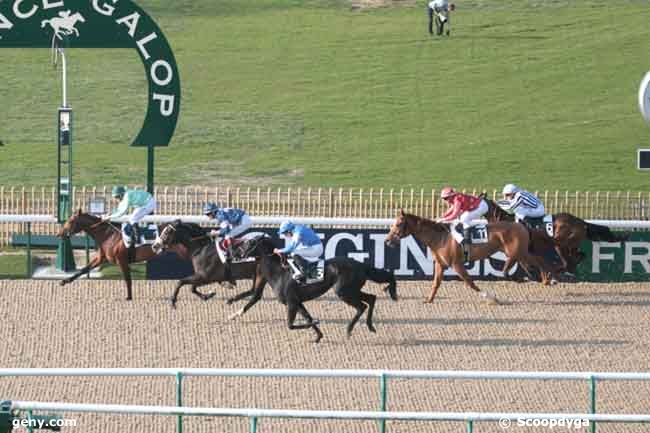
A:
438	11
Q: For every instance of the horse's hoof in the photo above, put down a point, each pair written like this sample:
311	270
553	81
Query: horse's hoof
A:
427	301
230	301
172	302
63	283
209	296
372	329
317	339
129	298
236	314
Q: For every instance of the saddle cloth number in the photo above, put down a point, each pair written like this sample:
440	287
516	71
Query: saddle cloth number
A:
479	235
548	224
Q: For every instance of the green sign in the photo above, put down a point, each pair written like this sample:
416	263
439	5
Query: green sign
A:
102	24
616	261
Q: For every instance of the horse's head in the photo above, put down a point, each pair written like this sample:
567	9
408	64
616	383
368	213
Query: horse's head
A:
398	230
77	223
257	246
166	237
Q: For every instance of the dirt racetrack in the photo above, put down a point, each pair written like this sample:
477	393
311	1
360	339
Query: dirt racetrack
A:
577	327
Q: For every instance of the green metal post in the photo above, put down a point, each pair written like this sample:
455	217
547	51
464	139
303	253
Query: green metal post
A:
30	429
87	254
384	398
470	426
253	425
179	400
150	168
592	401
29	250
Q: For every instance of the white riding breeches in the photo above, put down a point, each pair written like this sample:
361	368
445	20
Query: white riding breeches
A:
467	217
141	212
310	253
237	230
523	212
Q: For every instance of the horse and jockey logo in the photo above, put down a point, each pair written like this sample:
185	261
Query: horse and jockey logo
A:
64	24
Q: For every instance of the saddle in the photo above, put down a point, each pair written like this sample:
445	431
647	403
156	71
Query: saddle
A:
145	235
478	234
235	252
544	223
313	272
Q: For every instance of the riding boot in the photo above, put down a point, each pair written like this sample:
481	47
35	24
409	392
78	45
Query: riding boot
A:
134	239
301	264
467	242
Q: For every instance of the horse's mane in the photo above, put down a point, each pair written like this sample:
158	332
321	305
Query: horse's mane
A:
428	224
194	229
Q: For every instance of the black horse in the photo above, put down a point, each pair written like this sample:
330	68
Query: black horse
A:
199	247
346	275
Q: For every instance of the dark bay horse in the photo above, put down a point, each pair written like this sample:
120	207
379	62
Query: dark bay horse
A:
199	247
347	276
509	238
110	247
568	233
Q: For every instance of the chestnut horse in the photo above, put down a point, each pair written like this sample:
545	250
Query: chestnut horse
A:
110	247
568	233
512	239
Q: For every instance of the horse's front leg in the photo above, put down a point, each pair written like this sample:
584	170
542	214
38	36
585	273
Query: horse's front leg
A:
437	280
123	263
96	261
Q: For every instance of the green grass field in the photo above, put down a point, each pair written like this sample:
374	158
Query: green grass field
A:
283	92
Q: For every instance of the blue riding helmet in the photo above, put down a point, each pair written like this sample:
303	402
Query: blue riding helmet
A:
286	226
210	208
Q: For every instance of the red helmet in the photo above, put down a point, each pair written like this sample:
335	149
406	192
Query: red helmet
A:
447	192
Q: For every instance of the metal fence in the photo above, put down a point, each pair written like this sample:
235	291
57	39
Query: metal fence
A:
591	379
312	202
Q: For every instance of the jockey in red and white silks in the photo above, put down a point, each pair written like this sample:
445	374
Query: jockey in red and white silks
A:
462	207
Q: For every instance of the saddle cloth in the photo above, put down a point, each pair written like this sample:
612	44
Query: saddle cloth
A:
541	223
147	235
479	234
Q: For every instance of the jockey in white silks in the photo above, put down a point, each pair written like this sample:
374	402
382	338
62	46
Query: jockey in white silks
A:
522	203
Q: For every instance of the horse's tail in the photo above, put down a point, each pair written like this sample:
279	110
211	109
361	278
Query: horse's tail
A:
597	232
382	276
44	22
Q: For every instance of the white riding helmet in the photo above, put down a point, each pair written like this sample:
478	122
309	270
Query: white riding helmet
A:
510	189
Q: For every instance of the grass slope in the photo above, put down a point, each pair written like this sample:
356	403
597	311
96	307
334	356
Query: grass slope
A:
313	93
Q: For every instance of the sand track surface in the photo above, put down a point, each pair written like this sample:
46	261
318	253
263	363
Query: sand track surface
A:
579	327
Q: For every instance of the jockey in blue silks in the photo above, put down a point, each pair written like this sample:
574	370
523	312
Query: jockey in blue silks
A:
304	246
232	222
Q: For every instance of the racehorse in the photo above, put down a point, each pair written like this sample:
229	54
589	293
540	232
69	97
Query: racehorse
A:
346	275
110	247
510	238
199	247
568	233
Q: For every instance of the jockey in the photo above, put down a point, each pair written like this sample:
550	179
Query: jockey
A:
232	223
522	203
305	247
142	204
465	208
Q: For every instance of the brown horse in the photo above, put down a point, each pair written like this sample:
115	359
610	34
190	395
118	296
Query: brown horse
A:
568	233
510	238
110	248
